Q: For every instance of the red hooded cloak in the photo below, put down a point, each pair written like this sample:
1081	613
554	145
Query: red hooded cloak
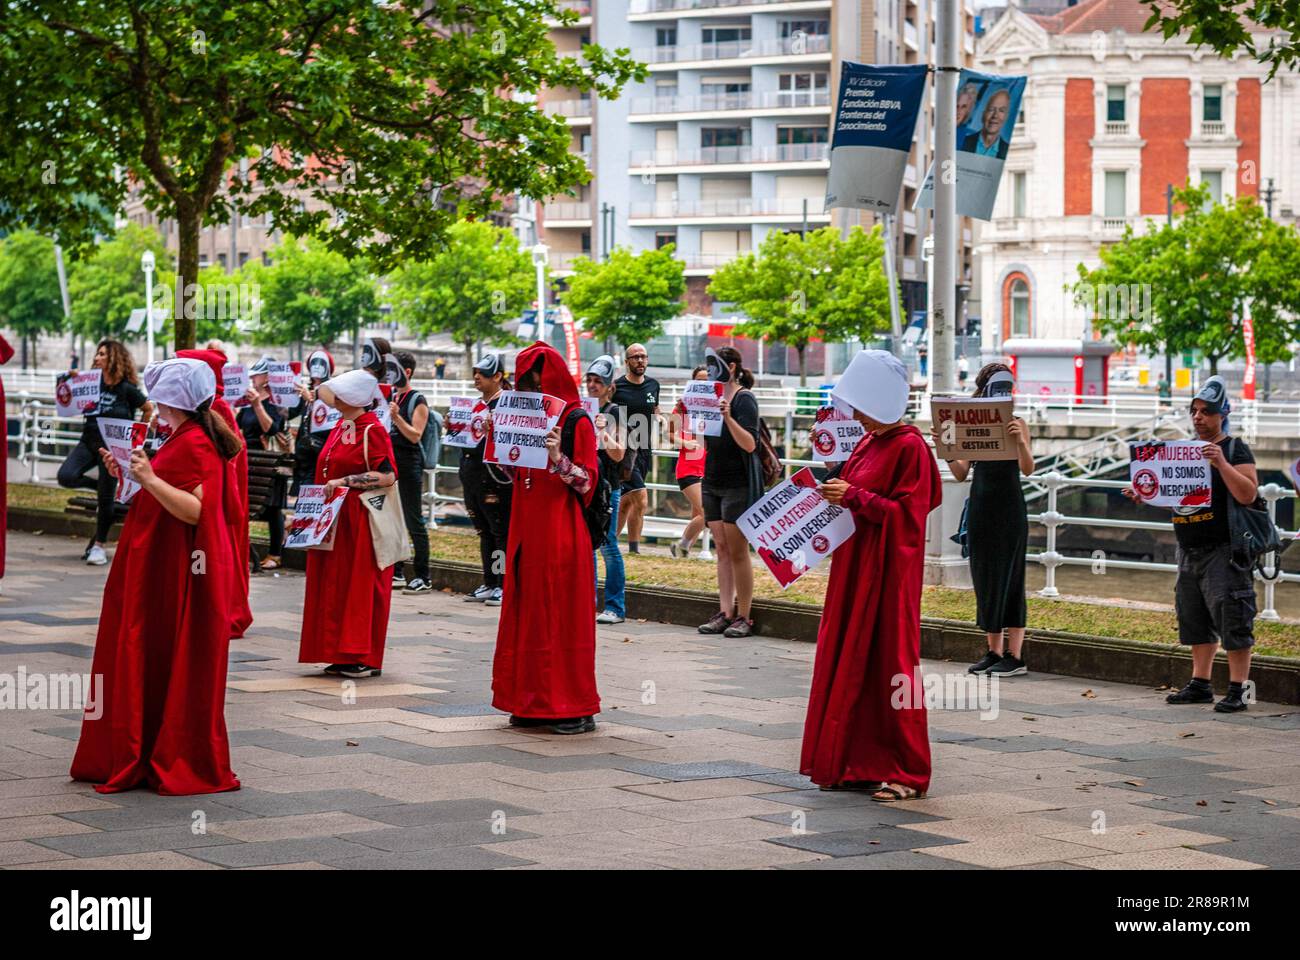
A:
163	639
545	665
871	623
236	496
6	352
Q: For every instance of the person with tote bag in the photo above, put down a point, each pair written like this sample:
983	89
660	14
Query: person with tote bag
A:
350	587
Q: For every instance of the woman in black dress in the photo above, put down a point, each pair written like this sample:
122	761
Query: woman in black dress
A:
997	533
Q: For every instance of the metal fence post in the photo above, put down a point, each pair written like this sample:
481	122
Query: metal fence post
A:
1271	492
1051	519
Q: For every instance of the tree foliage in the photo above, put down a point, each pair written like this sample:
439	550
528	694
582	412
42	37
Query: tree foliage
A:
30	302
797	289
107	285
1268	30
629	297
311	294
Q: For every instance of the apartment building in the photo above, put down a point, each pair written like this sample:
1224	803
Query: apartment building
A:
729	136
1113	116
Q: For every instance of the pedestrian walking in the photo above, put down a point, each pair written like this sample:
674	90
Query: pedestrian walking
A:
691	456
638	395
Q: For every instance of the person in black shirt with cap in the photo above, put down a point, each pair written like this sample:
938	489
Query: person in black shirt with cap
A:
1214	595
487	489
261	421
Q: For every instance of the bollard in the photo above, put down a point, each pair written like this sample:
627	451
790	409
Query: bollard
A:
1051	518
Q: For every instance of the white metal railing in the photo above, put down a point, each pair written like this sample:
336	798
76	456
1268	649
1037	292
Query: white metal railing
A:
799	46
566	210
640	7
744	100
733	207
771	153
568	108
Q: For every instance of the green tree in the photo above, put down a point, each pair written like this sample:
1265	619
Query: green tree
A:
369	125
107	285
311	294
629	297
225	305
797	289
1192	284
480	279
30	302
1228	28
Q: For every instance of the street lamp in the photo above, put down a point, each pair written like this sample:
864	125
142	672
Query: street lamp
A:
147	265
541	256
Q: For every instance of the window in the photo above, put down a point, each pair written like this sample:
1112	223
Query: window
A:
1019	308
802	89
725	34
663	239
793	134
721	85
1214	180
666	37
1116	193
586	242
724	137
1115	103
811	28
1212	103
1018	200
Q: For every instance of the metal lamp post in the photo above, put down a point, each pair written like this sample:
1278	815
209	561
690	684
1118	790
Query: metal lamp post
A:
147	265
541	256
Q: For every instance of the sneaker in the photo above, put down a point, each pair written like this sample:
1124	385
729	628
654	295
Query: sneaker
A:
567	728
609	616
359	671
334	669
528	721
479	595
677	550
740	627
634	547
1008	666
1196	691
493	598
399	578
1231	703
986	661
418	585
96	556
716	623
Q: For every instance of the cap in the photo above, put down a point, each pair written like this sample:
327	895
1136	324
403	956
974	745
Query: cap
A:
602	367
1214	393
489	364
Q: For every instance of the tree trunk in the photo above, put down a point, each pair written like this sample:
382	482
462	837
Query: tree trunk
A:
469	360
188	222
1214	365
22	341
803	365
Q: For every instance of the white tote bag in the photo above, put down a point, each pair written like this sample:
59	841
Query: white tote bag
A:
387	525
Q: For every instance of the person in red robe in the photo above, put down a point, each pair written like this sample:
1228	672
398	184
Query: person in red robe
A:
861	733
544	671
164	627
236	495
6	352
345	613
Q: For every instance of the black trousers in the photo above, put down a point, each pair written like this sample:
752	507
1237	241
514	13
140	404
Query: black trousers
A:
489	509
72	475
410	486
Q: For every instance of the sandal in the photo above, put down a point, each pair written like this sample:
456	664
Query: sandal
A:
894	792
867	786
270	563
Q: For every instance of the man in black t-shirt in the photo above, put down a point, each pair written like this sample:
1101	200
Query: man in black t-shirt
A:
638	395
1214	595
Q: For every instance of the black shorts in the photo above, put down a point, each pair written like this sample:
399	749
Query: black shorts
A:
725	504
1215	600
640	470
684	482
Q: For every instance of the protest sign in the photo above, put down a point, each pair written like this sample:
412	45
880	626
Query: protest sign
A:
77	395
312	527
281	381
1170	473
834	435
972	428
794	528
235	383
702	400
591	406
466	423
520	424
323	417
120	438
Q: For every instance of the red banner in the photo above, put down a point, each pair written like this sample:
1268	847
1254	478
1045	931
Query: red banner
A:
1248	381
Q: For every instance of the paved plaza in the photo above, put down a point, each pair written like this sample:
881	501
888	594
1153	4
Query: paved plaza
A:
694	764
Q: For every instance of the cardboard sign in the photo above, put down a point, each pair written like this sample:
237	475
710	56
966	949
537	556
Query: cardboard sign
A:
1170	473
323	417
120	438
794	528
312	527
834	436
520	424
77	395
466	423
973	428
702	399
235	383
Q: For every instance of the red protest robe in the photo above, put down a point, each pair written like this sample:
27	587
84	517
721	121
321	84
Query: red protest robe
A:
345	613
163	639
871	623
6	352
545	663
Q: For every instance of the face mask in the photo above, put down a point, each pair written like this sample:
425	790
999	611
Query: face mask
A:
369	354
394	375
1000	384
719	372
318	368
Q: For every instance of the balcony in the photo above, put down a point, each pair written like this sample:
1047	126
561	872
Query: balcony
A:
580	7
561	262
1116	128
703	263
818	45
1214	128
566	214
775	155
788	210
577	112
910	39
648	8
771	101
1113	225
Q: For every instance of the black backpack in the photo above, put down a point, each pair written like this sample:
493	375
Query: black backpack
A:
598	514
1251	532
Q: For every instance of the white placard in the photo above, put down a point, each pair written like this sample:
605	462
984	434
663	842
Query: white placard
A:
1170	473
282	382
313	525
466	423
702	399
235	383
78	395
834	436
794	528
323	417
591	406
520	424
120	438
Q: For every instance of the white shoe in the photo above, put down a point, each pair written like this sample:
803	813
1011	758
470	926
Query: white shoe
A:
96	557
493	598
609	616
480	594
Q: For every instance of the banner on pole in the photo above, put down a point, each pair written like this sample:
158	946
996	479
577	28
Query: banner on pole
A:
987	108
1248	381
794	528
875	118
520	424
1170	473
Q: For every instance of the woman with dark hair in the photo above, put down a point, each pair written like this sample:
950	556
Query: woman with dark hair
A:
733	482
261	422
410	414
488	488
312	419
120	397
690	470
164	629
997	535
